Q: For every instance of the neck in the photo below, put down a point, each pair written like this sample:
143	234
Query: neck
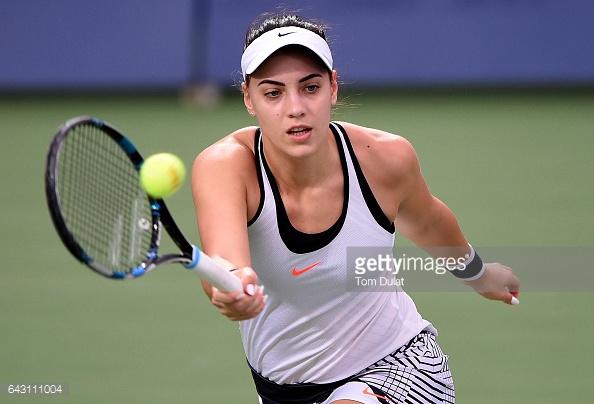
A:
299	172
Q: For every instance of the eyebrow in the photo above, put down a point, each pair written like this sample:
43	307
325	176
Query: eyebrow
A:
278	83
311	76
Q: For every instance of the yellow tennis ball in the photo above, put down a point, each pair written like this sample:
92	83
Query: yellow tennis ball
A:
162	174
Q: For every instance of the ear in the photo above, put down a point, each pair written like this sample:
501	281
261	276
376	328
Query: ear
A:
246	98
334	86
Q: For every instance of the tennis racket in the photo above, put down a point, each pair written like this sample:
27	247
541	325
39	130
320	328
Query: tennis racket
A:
103	215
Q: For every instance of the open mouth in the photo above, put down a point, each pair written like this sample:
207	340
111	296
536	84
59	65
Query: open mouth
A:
299	133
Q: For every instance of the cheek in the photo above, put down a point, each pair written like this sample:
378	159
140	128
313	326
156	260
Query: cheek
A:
266	110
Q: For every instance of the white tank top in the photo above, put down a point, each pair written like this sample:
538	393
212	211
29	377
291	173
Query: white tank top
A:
312	328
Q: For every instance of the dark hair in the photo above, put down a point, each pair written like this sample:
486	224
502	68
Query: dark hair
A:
268	22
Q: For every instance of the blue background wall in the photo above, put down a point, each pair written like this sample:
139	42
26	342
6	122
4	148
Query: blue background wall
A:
167	44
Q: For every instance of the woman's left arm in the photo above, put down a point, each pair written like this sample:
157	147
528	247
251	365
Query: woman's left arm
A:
430	224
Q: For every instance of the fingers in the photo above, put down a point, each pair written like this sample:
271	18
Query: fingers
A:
512	283
505	297
498	283
241	305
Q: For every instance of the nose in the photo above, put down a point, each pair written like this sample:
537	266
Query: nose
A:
296	106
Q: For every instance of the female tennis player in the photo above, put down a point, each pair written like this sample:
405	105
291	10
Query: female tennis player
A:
280	204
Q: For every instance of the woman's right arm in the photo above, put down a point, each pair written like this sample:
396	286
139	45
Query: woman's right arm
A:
221	175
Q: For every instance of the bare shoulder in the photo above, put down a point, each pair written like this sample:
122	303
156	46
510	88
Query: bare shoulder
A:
381	152
227	165
235	148
389	164
224	178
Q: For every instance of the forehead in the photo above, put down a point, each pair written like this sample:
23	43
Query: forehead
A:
287	58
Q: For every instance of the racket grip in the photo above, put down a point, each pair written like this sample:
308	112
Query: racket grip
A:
213	273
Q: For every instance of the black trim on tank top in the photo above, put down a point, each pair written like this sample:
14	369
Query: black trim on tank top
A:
296	241
260	179
374	207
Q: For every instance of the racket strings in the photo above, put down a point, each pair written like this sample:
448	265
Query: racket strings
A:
103	203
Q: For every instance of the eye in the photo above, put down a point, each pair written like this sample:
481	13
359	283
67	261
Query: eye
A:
311	88
272	93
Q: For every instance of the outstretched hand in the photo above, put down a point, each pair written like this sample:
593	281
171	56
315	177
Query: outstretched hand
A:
243	305
497	283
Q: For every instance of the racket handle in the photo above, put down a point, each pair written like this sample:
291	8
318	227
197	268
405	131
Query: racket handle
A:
213	273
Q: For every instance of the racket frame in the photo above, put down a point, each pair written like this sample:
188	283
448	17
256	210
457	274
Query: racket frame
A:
191	257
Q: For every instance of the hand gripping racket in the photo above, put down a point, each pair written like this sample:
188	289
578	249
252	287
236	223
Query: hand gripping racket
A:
103	215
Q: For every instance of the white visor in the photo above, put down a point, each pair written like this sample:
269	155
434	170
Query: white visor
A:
268	43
